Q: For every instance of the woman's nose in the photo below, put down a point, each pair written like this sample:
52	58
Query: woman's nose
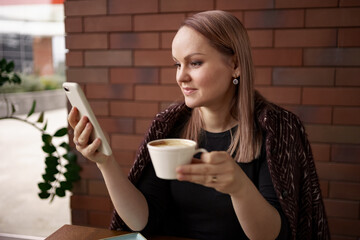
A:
182	75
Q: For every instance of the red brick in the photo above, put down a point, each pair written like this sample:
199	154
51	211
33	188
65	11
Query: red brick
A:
100	108
91	202
304	76
80	187
74	59
166	39
134	75
345	153
338	171
274	19
349	3
98	187
117	125
305	3
90	171
87	75
347	77
134	40
281	95
108	58
109	91
133	109
158	93
124	158
331	96
321	152
107	24
244	4
342	226
185	5
349	37
306	38
261	38
333	134
312	114
86	41
324	186
85	8
344	190
332	57
341	208
126	142
142	125
347	115
153	58
168	75
277	57
332	17
79	217
73	24
100	219
158	22
132	6
262	76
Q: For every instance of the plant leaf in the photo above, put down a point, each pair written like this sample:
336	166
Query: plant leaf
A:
10	67
70	156
48	177
45	126
65	145
13	110
41	118
32	110
46	138
3	64
44	195
66	185
48	148
44	186
61	132
60	192
51	161
16	79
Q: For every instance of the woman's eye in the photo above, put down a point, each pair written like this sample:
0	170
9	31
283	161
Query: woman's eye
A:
177	65
196	64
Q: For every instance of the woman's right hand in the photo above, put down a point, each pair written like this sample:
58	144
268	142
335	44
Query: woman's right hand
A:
82	131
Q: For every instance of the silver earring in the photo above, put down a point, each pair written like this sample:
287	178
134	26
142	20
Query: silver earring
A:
235	81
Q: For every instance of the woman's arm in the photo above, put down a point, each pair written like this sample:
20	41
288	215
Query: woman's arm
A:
129	202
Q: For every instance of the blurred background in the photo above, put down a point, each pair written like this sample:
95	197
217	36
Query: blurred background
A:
307	60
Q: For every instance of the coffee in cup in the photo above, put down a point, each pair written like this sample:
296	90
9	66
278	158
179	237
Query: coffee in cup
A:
167	154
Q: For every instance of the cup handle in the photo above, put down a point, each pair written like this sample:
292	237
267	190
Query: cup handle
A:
203	150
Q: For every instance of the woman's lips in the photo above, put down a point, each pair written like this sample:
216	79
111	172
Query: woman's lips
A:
188	91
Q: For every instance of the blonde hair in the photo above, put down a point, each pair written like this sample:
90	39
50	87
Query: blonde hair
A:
227	35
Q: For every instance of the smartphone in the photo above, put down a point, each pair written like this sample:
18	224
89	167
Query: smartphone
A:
78	99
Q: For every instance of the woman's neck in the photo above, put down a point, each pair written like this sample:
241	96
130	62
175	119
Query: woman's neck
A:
217	120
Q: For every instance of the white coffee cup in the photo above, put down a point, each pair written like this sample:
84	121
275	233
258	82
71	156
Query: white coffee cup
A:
167	154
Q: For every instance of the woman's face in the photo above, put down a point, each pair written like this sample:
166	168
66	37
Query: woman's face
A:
203	73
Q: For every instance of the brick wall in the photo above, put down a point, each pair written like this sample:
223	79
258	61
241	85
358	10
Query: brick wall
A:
307	58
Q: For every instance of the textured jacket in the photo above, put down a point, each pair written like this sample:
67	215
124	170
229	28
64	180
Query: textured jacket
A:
289	158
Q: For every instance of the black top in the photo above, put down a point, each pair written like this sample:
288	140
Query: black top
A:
191	210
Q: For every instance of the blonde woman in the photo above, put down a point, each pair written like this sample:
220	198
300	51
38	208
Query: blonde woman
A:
258	180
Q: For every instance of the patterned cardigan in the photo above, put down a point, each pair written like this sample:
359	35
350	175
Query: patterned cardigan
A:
289	158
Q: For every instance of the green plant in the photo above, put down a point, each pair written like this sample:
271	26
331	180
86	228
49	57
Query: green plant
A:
61	169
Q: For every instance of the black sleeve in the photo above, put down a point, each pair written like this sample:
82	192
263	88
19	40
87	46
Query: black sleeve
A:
157	194
266	188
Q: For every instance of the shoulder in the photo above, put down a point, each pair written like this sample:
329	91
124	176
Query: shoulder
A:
173	111
273	118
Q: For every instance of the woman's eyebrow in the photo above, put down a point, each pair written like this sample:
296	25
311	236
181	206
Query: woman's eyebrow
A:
189	56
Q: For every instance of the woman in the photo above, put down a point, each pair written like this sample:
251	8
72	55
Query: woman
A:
258	180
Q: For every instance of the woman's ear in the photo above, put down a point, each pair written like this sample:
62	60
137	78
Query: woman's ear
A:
235	66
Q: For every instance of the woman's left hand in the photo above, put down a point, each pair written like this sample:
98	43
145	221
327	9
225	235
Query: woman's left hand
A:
215	169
